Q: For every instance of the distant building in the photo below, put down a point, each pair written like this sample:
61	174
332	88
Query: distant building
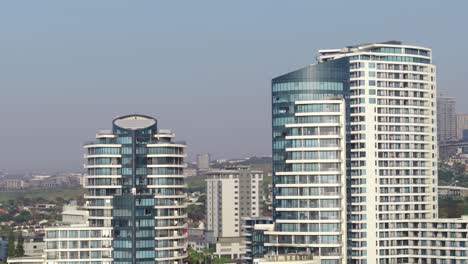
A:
42	181
197	239
462	124
446	119
465	135
448	150
14	184
203	161
44	206
232	194
190	172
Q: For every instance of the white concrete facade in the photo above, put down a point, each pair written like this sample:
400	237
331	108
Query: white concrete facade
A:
231	195
388	143
80	244
394	152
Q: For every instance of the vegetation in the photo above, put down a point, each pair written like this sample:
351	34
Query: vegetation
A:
19	251
18	207
12	250
28	197
11	244
195	257
453	207
266	181
196	212
453	174
196	184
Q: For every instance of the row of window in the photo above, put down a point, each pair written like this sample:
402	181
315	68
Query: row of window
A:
307	227
73	233
390	58
308	215
308	203
304	191
307	179
294	86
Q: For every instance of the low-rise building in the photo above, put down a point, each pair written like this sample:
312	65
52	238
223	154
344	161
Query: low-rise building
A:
34	246
71	214
196	239
14	184
229	247
78	243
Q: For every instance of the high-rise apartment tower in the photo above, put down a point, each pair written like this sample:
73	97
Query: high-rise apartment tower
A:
446	119
135	186
355	157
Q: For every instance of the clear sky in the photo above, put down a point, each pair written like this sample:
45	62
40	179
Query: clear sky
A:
202	68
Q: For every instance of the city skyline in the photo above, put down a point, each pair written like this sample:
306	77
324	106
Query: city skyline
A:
354	179
355	142
67	68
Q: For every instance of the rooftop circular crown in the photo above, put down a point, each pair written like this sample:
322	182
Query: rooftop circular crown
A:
134	122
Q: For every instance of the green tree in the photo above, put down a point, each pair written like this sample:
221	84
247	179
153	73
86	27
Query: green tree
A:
19	251
194	257
24	216
196	212
451	207
202	199
221	260
60	201
11	244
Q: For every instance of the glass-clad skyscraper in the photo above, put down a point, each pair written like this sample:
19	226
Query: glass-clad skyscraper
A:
309	154
135	185
355	160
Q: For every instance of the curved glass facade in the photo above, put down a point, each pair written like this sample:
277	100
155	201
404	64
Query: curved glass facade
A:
309	147
135	184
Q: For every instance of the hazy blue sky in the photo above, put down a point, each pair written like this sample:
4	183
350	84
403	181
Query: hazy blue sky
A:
202	68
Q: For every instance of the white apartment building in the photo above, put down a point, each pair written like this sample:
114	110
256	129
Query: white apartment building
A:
385	163
393	170
231	195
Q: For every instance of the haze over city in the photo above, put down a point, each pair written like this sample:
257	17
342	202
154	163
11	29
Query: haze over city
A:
233	132
202	68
